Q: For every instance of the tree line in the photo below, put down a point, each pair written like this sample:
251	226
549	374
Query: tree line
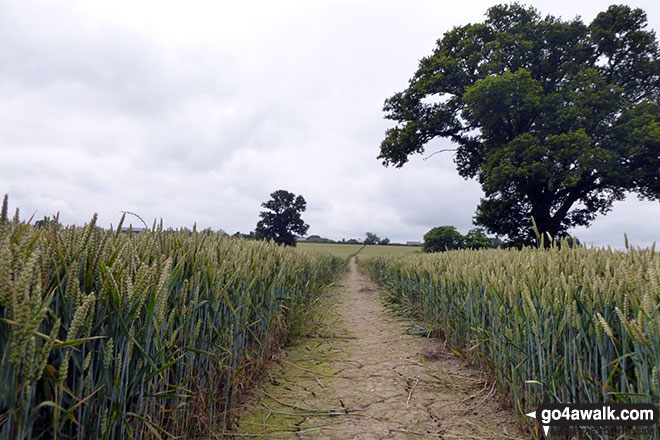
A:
443	238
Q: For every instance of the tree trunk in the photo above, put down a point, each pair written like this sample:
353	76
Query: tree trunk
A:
545	223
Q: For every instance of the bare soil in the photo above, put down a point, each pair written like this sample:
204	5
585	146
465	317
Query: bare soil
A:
361	376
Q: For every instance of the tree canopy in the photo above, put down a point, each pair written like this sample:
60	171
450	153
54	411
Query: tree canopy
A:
282	219
442	238
371	238
476	239
555	119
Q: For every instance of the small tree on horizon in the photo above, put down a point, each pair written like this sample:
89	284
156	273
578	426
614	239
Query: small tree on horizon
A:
477	239
441	239
371	238
282	220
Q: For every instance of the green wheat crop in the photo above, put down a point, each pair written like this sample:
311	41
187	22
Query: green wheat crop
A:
112	335
585	322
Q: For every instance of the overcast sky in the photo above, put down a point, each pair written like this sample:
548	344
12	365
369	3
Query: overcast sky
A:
196	111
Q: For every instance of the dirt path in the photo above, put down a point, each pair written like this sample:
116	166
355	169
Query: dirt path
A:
360	376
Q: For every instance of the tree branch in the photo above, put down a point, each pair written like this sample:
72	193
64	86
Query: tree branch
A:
439	151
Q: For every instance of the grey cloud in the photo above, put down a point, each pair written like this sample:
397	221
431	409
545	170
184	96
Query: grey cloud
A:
197	114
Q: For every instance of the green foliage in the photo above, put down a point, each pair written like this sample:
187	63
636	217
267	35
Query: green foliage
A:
282	220
317	239
250	236
586	322
441	239
371	238
375	239
555	119
476	239
448	238
113	335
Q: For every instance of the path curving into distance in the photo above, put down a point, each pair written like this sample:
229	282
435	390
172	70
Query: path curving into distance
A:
361	376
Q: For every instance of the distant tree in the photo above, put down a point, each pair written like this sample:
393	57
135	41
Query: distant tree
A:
555	119
384	241
282	219
318	239
250	236
442	238
476	239
495	243
371	238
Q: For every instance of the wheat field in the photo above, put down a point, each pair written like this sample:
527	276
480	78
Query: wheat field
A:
107	334
584	322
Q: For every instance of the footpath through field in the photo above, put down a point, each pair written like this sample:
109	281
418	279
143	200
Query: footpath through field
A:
361	376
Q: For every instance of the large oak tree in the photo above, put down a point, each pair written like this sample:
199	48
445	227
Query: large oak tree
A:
556	119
